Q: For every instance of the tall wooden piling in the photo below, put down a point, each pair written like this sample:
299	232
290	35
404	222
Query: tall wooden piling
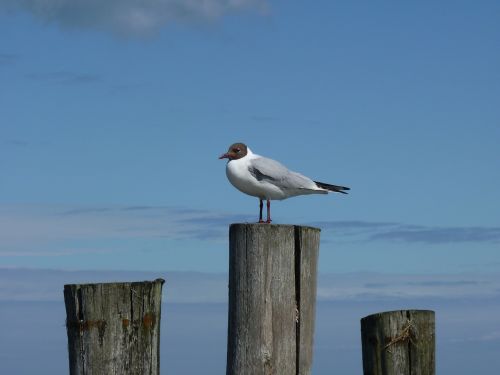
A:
114	328
272	298
399	343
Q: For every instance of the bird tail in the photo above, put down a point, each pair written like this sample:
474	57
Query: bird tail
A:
335	188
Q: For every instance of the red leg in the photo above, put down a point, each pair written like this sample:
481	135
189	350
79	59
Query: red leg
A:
268	211
260	211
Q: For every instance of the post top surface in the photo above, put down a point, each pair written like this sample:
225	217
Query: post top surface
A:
411	311
110	284
264	225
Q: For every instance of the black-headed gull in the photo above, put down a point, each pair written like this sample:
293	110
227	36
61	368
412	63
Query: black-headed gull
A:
268	179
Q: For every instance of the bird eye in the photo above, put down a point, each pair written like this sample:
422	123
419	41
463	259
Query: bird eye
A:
236	150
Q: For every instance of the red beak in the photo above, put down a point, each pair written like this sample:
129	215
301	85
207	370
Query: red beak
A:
224	156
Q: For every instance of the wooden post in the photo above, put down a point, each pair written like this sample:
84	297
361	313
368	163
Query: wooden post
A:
272	297
114	328
399	343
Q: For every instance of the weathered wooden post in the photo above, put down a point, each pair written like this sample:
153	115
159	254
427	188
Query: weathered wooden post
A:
114	328
399	343
272	298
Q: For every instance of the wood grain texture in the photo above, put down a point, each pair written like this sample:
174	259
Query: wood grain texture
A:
307	243
399	343
272	293
114	328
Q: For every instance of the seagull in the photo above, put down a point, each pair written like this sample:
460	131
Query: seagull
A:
268	179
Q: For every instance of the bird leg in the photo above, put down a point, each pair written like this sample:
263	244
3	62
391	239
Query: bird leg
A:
260	211
268	211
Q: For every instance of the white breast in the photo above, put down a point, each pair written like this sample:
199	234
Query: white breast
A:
240	177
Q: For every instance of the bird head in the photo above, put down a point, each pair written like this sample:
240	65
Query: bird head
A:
235	151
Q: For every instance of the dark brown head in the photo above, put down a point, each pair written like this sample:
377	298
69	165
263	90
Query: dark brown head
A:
235	151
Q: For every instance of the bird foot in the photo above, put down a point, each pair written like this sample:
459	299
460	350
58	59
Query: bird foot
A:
268	221
261	221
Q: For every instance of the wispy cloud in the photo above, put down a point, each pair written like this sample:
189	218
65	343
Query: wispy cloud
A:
440	235
425	283
129	17
264	118
196	287
391	231
73	78
8	58
25	230
353	224
212	226
24	284
489	337
15	143
129	87
373	286
65	78
35	229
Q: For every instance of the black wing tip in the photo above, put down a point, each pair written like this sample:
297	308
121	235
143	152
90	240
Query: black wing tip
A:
335	188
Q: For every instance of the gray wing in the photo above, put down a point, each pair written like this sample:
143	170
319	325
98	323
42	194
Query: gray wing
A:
264	169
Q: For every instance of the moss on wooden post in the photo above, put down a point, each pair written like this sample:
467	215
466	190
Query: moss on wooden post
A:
114	328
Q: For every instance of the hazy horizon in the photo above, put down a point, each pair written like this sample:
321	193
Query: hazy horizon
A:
194	319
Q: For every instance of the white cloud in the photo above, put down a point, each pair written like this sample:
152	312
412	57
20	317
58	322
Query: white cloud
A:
129	17
23	284
7	58
198	287
65	78
375	286
56	230
491	336
389	231
40	230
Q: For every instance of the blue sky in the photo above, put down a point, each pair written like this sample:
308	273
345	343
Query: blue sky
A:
113	116
101	115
